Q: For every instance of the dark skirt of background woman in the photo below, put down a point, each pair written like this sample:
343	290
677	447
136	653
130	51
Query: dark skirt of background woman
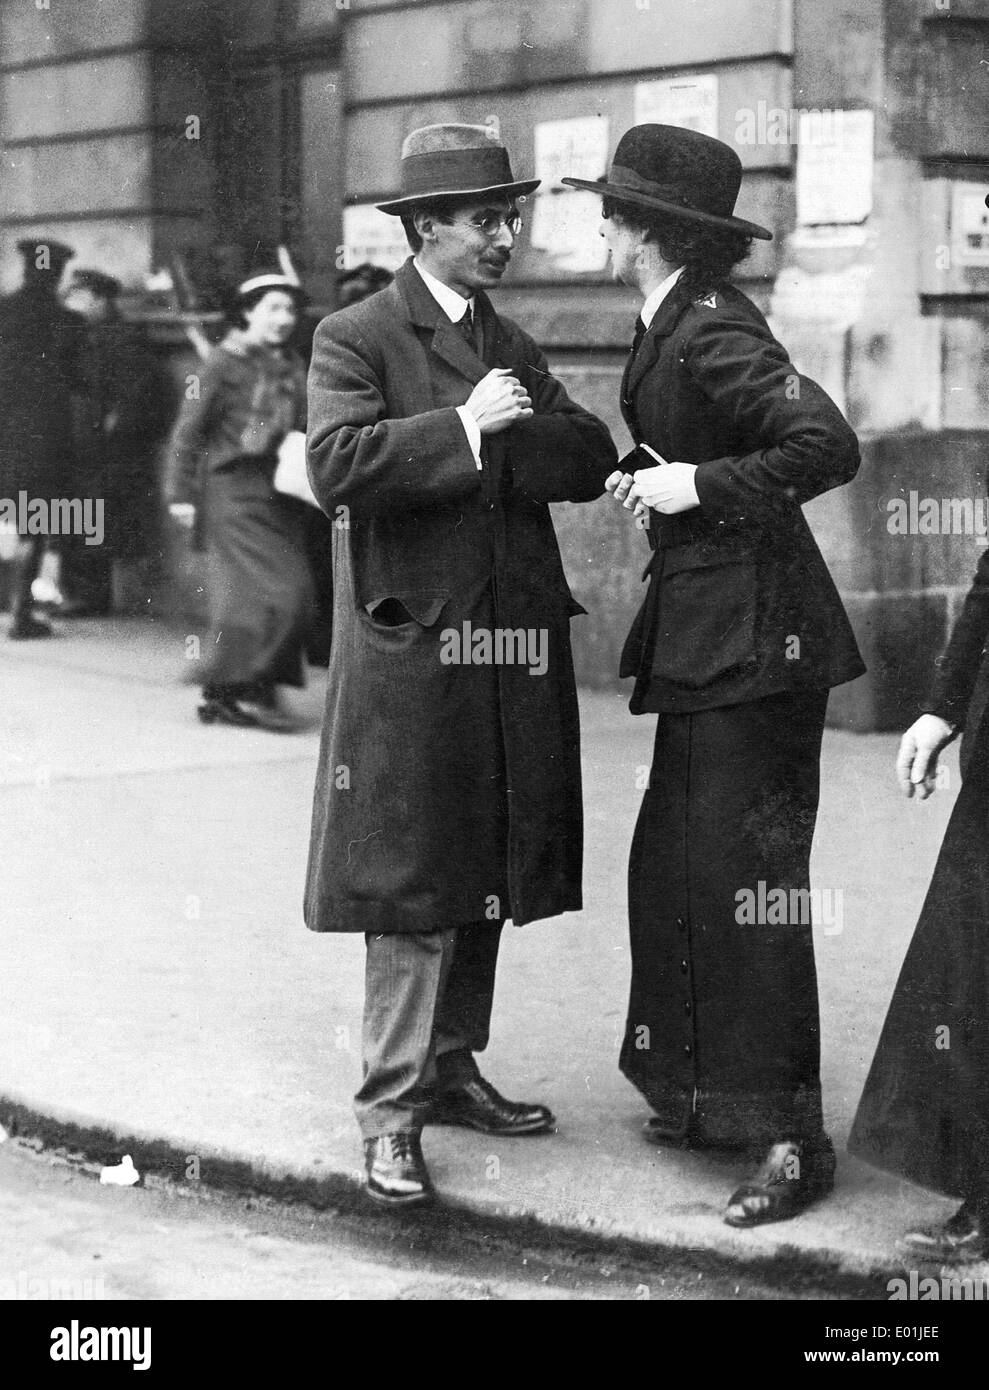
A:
723	1035
924	1113
259	588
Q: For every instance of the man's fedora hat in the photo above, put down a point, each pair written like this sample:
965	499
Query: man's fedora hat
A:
44	253
678	172
454	161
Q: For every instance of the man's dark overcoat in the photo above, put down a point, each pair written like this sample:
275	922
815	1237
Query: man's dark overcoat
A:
123	409
40	342
446	792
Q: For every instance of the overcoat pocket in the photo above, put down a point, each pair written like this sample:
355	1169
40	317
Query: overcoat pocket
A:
707	617
396	622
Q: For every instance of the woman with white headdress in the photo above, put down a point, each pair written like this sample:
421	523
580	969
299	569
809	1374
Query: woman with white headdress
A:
220	480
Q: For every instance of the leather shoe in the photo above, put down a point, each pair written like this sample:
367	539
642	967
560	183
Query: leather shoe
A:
792	1177
964	1237
226	711
477	1105
26	627
397	1175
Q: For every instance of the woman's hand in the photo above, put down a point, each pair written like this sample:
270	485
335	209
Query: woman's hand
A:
916	762
184	513
667	488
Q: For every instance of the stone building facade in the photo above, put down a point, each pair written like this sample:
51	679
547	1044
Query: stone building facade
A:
139	128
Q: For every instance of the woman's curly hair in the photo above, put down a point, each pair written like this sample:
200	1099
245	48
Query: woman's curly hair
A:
710	254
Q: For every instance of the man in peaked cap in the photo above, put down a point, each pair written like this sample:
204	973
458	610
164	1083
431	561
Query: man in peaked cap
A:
740	637
39	345
448	793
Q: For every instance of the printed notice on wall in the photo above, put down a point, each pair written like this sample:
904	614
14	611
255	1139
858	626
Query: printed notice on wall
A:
688	101
565	221
370	235
834	168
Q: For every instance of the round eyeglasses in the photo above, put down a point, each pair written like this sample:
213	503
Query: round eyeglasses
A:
492	223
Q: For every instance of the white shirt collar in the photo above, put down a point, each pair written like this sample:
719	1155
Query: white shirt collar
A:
651	307
454	305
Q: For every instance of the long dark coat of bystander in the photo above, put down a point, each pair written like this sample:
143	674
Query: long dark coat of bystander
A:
40	342
222	458
447	792
924	1112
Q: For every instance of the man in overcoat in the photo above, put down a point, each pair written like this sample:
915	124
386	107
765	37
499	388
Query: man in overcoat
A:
738	641
448	794
40	342
123	405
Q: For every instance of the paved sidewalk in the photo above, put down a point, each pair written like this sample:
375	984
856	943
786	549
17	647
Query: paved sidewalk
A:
158	982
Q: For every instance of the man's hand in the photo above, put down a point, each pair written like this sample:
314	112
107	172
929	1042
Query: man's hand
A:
916	762
184	513
499	400
618	485
667	488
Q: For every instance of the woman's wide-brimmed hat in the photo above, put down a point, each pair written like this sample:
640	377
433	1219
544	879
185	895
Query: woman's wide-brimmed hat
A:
454	161
678	172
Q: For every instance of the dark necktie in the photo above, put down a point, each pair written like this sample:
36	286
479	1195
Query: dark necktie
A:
466	327
640	333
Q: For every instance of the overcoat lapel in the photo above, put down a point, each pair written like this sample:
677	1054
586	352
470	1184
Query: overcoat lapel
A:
447	342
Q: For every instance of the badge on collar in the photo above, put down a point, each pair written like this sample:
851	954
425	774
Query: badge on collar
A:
711	302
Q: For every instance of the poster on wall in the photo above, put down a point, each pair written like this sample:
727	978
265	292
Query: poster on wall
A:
370	235
565	221
834	167
690	101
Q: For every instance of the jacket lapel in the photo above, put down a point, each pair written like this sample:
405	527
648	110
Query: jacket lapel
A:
661	327
447	341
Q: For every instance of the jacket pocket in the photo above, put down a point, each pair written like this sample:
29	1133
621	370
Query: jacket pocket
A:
422	607
403	622
706	623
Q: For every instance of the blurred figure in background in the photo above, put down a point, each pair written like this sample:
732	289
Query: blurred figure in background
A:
352	286
122	410
363	280
39	343
219	480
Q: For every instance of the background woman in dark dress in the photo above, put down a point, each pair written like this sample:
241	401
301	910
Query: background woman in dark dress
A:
224	452
924	1113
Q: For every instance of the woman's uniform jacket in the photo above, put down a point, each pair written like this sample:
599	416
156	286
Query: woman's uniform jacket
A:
740	602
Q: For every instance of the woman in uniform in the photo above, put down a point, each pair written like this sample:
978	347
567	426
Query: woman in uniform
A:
740	637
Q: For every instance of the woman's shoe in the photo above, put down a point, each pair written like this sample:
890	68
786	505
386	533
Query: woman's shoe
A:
792	1177
263	704
965	1236
226	711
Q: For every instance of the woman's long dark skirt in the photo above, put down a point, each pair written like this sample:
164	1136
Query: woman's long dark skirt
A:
924	1112
723	1033
260	591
